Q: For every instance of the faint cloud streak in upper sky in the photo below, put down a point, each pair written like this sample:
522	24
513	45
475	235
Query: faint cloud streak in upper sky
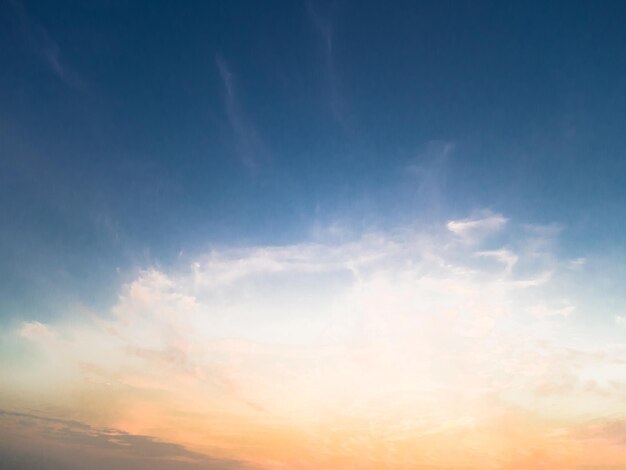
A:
45	46
323	26
249	146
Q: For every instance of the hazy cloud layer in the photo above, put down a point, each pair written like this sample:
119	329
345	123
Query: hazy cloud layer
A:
43	443
397	345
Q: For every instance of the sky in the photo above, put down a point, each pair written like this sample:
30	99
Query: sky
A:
312	235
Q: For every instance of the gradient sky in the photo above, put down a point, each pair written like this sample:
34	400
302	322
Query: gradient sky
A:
313	235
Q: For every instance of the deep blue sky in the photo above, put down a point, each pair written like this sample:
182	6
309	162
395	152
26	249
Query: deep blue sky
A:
131	132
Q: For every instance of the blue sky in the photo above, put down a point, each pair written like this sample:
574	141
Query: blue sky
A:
131	133
401	217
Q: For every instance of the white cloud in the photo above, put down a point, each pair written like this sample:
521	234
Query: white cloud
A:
503	256
474	229
391	323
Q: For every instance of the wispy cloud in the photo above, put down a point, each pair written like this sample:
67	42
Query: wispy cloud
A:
577	263
504	256
35	330
249	146
474	229
45	46
563	309
324	28
428	171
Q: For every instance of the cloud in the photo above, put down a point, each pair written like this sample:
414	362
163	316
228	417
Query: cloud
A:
429	171
33	441
577	263
249	146
504	256
45	46
405	339
35	330
611	430
562	310
324	29
474	229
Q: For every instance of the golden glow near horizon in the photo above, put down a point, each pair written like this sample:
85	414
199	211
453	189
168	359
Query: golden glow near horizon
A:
461	346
